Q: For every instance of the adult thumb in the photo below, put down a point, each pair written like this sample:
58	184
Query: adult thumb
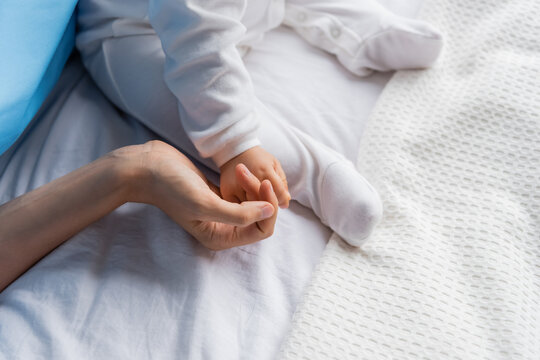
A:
246	213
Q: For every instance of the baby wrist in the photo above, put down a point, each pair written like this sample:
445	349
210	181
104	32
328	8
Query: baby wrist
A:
233	149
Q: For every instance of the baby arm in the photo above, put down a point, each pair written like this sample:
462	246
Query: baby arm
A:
205	72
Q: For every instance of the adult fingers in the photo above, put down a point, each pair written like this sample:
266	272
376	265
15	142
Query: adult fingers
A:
220	236
253	232
232	224
246	213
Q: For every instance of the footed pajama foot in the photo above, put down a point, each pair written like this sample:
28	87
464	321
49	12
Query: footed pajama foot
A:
364	35
349	204
401	43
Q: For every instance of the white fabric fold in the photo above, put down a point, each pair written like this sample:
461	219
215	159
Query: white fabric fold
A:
453	270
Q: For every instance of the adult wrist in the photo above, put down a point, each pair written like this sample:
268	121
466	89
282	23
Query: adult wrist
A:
131	173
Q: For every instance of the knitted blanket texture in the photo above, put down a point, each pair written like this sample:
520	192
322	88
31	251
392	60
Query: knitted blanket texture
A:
453	270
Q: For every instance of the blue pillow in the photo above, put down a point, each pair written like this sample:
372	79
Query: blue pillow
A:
36	38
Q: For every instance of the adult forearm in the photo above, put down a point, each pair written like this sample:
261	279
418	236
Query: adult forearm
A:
154	173
35	223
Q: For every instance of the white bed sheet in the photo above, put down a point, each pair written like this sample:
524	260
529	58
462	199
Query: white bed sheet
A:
135	285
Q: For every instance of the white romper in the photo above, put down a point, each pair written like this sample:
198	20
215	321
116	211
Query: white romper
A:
141	52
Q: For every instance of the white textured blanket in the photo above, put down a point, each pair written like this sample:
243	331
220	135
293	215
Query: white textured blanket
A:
453	271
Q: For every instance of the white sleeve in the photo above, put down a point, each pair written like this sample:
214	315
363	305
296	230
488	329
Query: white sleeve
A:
205	71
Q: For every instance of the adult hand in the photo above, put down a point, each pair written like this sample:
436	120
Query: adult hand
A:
37	222
177	187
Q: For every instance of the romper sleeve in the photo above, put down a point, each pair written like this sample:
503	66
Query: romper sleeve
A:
205	71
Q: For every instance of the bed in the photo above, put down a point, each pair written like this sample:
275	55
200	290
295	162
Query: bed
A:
135	285
452	271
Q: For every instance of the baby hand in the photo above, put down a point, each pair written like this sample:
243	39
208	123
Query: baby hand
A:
264	166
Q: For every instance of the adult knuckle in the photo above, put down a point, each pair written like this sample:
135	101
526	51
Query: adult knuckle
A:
244	219
268	233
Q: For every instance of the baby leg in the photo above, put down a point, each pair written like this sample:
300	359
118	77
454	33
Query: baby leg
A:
130	71
364	35
322	179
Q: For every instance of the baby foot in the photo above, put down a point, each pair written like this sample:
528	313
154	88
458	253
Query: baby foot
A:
400	43
364	35
349	204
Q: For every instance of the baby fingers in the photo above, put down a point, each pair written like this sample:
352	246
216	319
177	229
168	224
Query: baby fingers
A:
266	193
280	188
249	182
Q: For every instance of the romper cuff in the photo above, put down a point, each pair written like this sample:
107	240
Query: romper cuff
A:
235	148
